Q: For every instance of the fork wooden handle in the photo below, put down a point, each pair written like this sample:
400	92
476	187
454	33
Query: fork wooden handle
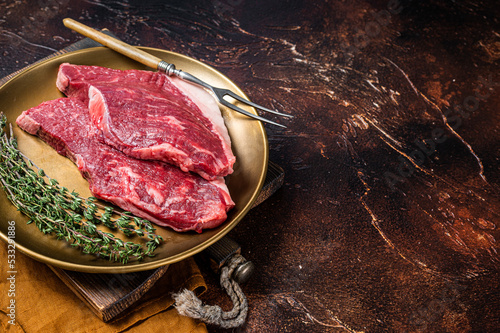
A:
113	43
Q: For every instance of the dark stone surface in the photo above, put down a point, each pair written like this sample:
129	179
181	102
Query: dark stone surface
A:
388	219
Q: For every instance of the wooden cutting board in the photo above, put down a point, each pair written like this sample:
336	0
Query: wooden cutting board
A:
108	295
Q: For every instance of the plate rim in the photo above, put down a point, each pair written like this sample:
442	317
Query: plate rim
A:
136	267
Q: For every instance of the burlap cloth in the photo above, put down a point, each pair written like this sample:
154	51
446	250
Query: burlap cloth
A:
43	303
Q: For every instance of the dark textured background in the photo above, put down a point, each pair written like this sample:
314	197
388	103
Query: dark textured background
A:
388	218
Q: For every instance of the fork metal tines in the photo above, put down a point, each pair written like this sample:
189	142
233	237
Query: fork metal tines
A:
221	93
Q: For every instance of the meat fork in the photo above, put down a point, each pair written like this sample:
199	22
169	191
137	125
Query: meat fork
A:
163	66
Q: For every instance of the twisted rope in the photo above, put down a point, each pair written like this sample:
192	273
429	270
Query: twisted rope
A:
187	304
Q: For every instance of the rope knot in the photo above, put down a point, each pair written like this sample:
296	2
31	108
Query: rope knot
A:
187	304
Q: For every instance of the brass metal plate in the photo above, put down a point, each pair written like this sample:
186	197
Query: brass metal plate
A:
37	84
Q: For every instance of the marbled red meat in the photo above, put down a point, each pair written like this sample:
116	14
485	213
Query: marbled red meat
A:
148	115
157	191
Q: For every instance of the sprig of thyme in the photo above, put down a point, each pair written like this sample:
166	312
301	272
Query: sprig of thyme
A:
55	210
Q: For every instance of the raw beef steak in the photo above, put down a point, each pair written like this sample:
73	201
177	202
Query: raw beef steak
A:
148	115
157	191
